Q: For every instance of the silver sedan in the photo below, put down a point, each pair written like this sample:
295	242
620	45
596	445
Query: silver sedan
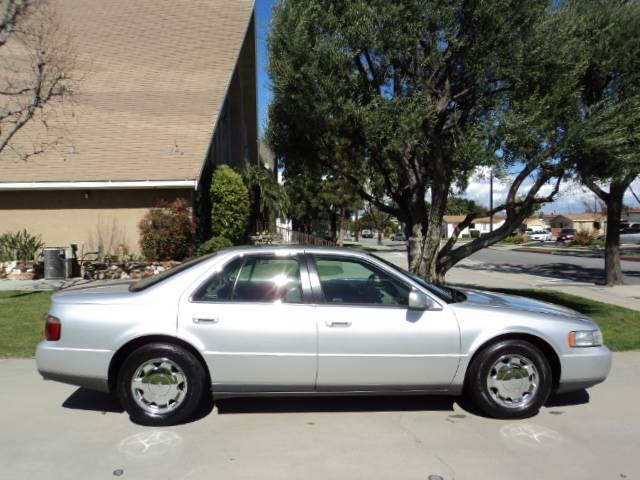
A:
311	321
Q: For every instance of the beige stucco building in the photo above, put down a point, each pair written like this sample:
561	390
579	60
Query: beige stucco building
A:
167	92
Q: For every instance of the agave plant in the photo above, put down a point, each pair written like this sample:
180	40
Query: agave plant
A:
20	246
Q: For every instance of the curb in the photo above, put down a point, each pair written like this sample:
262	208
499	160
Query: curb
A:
626	258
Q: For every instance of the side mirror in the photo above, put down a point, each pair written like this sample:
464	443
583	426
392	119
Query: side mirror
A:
420	301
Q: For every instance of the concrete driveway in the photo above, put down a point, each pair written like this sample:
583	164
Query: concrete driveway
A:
53	431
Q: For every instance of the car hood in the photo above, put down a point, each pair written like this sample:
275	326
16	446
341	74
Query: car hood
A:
480	298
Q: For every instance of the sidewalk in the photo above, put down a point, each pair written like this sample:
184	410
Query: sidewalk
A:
39	285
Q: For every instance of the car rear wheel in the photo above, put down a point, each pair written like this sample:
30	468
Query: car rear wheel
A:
161	384
509	379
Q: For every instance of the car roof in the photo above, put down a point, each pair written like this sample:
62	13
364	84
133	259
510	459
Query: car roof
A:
255	249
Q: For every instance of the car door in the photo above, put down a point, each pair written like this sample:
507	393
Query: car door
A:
254	325
368	338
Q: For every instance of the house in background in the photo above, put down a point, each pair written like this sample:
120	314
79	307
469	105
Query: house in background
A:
168	92
594	223
482	224
536	223
631	215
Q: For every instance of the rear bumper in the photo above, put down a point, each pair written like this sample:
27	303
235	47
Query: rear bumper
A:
584	368
81	367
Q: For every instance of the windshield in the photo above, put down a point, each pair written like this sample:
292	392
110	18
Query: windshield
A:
448	294
155	279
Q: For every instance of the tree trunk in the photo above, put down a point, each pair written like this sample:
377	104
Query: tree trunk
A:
356	228
439	195
415	230
340	226
612	268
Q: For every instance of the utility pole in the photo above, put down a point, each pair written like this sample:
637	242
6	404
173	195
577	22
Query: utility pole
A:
491	200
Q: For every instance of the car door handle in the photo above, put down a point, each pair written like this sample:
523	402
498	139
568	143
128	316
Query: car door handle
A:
334	323
210	320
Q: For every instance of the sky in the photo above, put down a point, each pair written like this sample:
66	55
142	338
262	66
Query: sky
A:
572	195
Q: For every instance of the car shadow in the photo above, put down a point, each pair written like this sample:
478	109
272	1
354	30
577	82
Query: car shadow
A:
85	399
579	397
294	404
90	400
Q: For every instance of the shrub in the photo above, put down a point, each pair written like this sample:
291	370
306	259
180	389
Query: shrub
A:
213	245
475	233
230	204
583	239
19	246
168	232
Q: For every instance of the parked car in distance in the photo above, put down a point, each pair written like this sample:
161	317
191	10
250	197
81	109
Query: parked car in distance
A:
399	237
566	234
366	234
311	321
630	235
540	235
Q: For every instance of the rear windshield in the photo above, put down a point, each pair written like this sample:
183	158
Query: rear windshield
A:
155	279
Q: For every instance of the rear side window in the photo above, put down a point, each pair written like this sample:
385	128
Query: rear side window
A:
265	279
254	279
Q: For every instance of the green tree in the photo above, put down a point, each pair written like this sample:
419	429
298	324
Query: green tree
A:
406	99
268	198
464	206
230	204
607	146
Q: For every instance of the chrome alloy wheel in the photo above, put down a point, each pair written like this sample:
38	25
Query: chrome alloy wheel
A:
513	381
159	386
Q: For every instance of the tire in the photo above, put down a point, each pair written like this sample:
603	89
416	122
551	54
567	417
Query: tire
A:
160	384
509	379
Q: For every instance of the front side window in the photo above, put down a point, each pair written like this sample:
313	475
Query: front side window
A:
350	281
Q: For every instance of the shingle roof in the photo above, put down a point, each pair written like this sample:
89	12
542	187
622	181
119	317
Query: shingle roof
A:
155	74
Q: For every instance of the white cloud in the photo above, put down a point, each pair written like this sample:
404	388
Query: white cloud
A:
570	199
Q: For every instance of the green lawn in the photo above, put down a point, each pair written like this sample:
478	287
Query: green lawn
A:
22	322
620	326
22	313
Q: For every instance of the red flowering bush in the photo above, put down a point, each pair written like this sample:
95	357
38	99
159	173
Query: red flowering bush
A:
168	232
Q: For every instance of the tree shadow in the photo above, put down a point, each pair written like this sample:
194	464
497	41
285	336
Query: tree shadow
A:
22	293
301	404
567	272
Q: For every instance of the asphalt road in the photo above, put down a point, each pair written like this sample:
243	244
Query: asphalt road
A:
54	431
568	268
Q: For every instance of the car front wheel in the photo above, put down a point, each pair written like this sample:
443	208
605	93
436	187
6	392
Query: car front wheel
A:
509	379
161	384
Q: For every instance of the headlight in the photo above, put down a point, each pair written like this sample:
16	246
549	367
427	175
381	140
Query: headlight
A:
585	338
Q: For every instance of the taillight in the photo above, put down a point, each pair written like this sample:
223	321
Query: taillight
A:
52	329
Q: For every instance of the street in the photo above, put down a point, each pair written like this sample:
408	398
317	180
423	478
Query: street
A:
51	430
503	267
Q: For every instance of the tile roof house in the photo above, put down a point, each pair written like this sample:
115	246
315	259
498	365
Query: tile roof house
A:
168	92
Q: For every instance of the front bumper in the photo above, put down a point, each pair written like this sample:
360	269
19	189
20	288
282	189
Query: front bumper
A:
586	367
87	368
